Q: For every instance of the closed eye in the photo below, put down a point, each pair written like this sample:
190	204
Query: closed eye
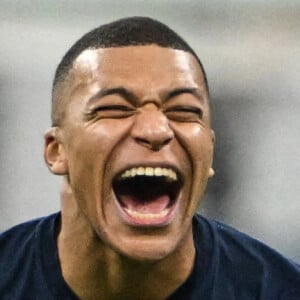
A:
113	107
112	111
184	113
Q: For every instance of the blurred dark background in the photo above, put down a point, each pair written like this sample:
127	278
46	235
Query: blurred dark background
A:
251	52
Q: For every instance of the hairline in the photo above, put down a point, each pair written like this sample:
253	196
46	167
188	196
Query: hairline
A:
69	67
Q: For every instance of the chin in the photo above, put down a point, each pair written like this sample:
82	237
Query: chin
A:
147	251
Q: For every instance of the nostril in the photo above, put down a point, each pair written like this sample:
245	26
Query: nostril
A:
167	141
142	141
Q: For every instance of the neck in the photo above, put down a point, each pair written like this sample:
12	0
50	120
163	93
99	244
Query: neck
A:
93	270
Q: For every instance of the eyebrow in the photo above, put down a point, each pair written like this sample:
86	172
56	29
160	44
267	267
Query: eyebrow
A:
186	90
133	99
125	93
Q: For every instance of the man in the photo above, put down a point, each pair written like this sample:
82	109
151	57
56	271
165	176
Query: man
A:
131	137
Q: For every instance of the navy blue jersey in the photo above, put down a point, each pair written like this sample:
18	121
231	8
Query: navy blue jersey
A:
229	265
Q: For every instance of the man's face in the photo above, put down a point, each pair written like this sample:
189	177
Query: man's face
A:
138	146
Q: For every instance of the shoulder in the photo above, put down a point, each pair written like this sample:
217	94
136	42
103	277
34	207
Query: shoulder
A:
18	244
227	237
22	234
14	239
244	260
19	249
18	240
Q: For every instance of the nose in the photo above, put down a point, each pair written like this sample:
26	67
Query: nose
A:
151	129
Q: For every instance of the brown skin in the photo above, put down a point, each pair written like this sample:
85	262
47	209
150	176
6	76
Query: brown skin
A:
103	257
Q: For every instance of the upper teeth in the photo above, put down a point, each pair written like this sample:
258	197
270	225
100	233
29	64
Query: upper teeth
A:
149	171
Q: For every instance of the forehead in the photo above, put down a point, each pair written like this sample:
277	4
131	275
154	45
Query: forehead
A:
148	67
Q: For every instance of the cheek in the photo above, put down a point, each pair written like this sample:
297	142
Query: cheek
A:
197	142
91	146
100	137
89	152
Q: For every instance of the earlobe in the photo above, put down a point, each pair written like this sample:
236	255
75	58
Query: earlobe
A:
211	173
54	153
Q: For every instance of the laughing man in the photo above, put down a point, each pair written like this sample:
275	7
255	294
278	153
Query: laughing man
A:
132	139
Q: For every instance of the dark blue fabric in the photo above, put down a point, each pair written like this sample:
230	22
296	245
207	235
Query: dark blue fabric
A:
229	265
29	265
233	266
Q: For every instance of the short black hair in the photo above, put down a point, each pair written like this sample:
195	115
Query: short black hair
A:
132	31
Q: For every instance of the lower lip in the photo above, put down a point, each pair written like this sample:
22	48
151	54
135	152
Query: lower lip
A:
138	219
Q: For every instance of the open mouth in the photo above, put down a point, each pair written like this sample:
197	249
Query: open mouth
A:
147	195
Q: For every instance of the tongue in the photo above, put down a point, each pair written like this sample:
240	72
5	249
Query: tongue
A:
153	206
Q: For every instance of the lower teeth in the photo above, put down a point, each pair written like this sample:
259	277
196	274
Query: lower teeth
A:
141	215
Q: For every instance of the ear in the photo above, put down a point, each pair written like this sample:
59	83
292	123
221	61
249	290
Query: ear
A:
211	171
213	136
54	153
